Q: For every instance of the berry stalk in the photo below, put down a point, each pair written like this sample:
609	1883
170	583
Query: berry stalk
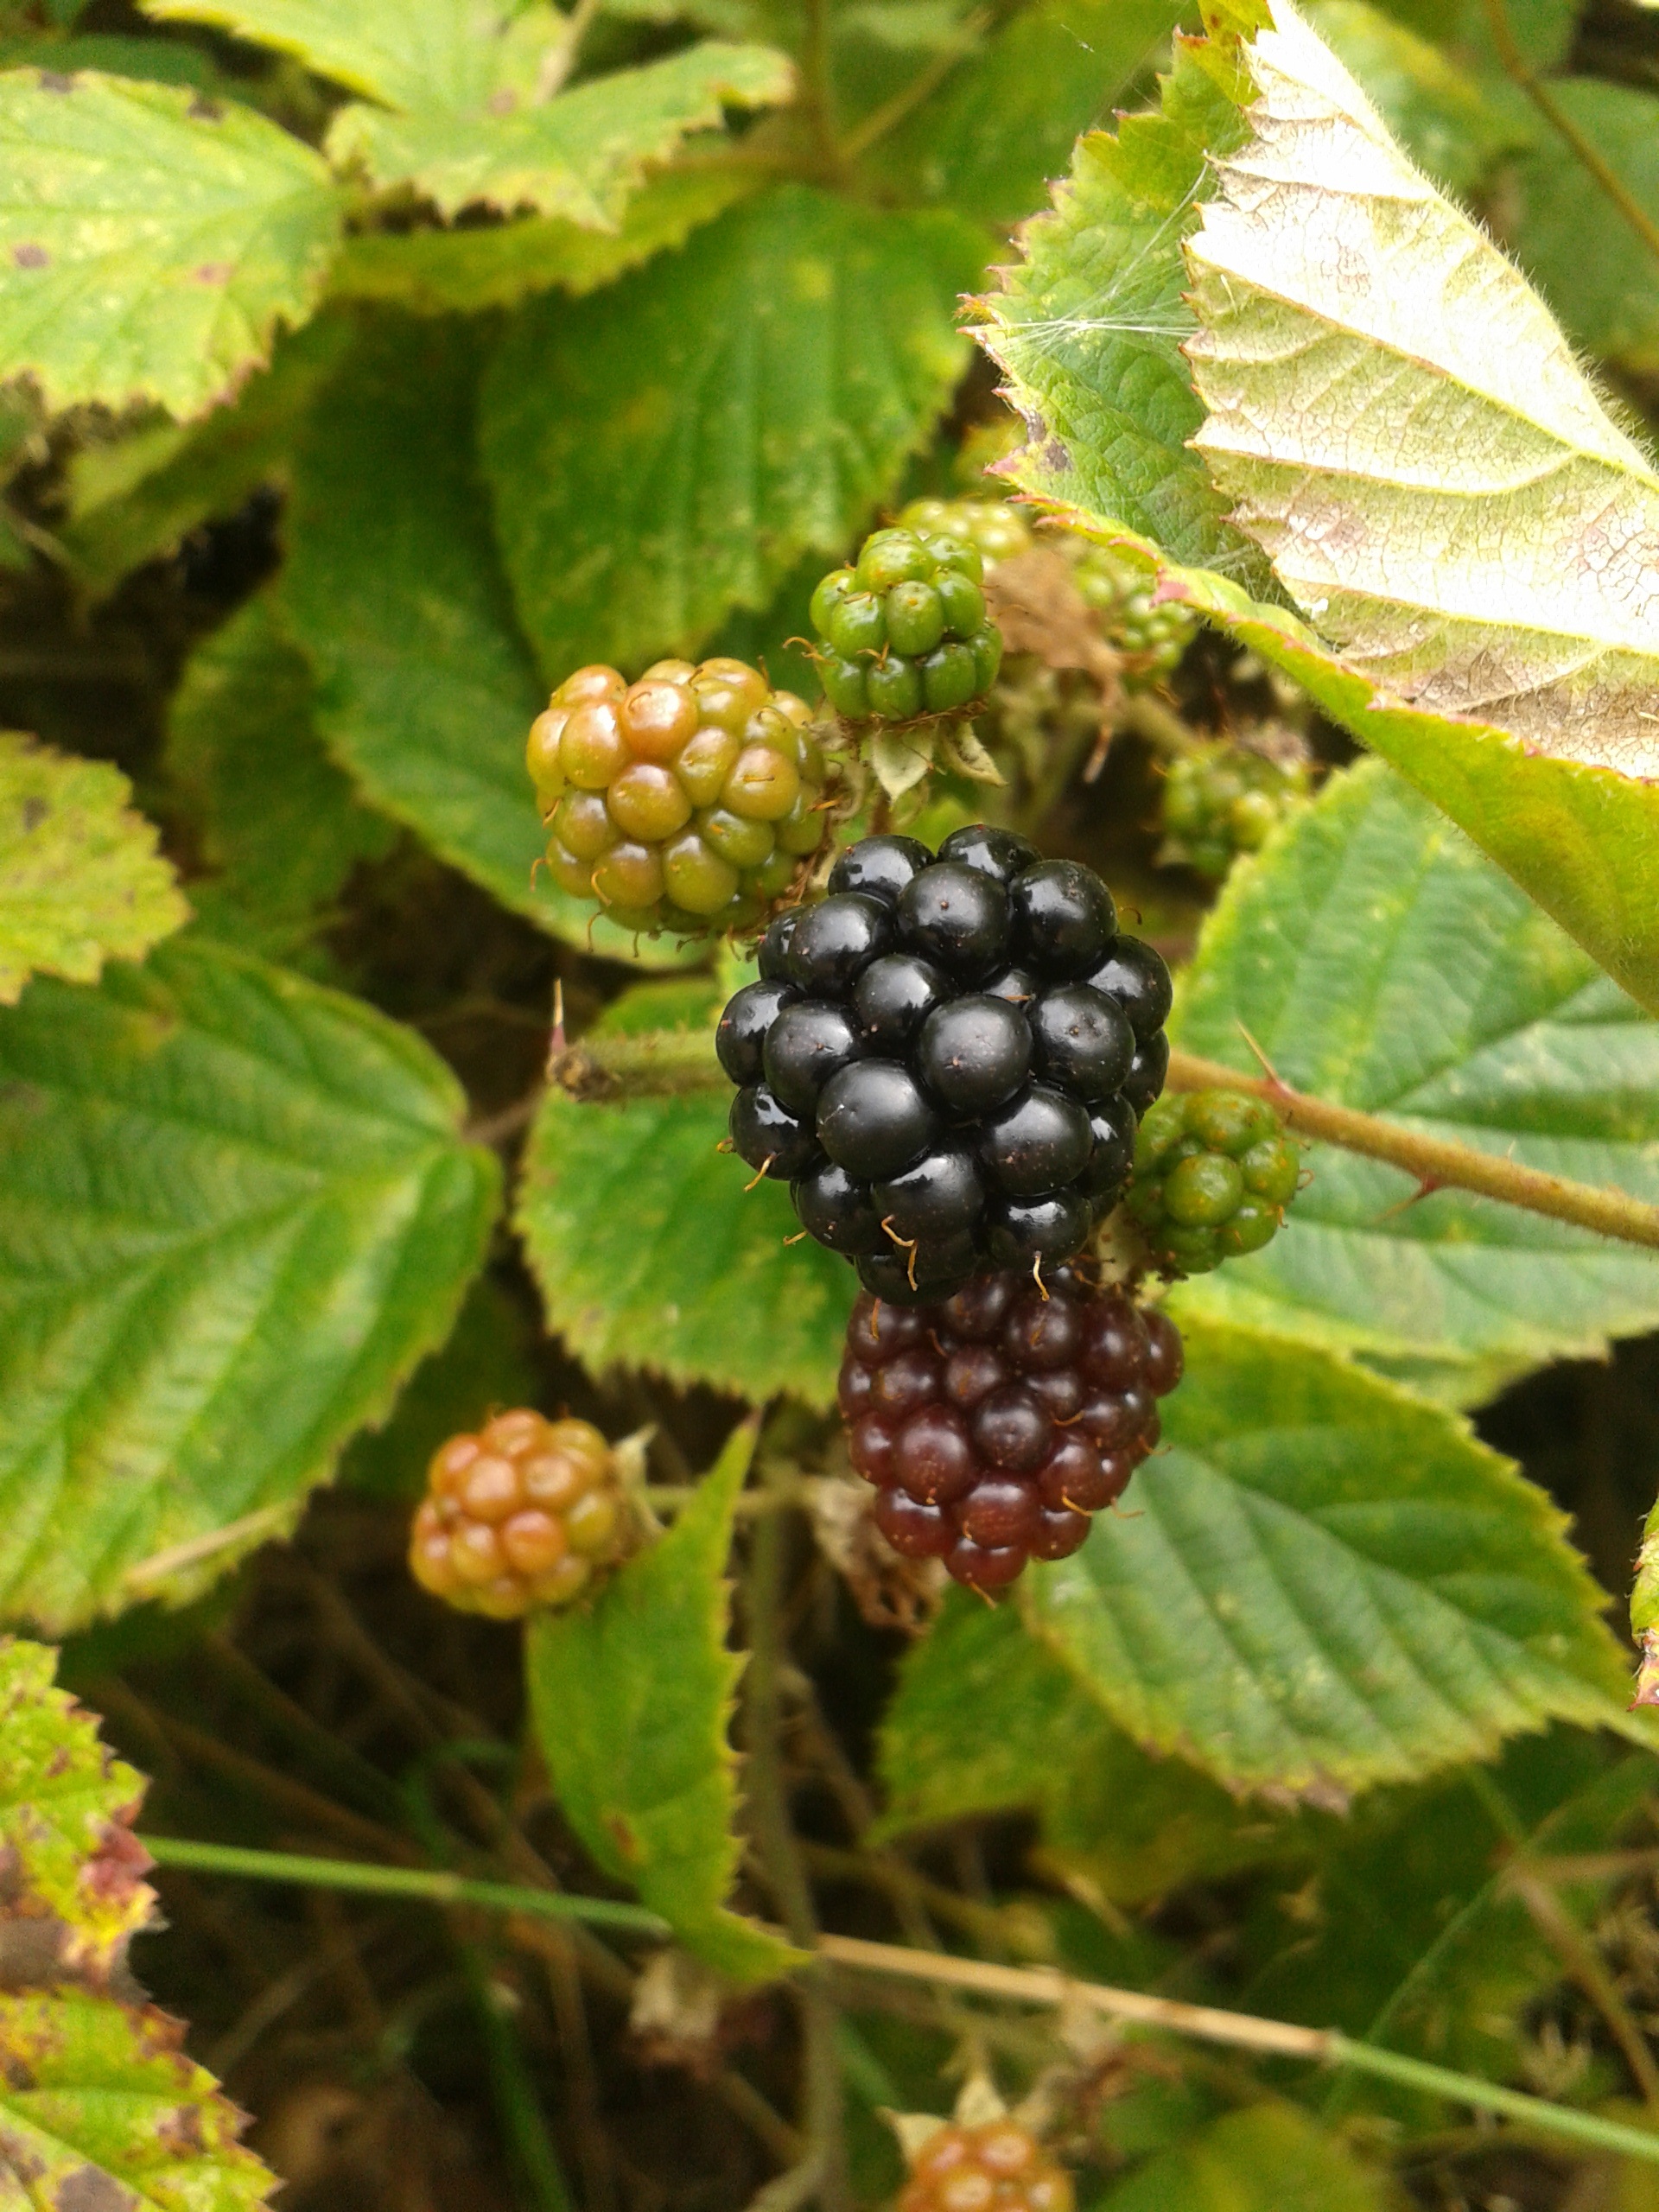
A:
669	1064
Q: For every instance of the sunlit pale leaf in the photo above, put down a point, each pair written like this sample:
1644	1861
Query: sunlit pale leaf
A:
398	51
80	879
151	240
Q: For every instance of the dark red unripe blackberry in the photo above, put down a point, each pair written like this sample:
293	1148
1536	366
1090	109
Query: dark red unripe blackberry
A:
992	1423
926	1029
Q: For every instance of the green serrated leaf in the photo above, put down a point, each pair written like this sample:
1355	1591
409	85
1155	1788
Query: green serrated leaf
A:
1607	299
1326	1583
101	2107
579	155
394	50
153	239
66	1809
425	688
1503	666
277	820
631	1699
234	1213
80	879
1270	2158
986	1719
1091	324
670	447
648	1247
1408	1930
1379	961
462	271
1004	122
138	497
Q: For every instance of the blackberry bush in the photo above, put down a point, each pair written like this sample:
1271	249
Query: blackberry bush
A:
689	801
904	631
1221	800
1214	1172
946	1058
993	1423
998	2167
522	1514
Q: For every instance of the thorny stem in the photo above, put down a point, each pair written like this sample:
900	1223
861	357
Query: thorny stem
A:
1437	1162
820	2169
674	1063
1516	63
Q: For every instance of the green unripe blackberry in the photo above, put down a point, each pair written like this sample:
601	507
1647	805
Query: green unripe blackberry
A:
1221	800
905	630
1214	1172
687	801
997	530
1151	634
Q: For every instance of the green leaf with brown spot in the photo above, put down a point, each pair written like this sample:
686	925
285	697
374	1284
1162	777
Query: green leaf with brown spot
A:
152	241
80	879
67	1853
100	2107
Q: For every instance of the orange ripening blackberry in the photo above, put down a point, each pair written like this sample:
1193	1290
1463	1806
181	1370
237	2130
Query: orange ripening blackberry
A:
993	1424
688	801
996	2167
520	1515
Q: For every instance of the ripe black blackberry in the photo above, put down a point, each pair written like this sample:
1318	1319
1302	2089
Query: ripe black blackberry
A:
947	1060
993	1423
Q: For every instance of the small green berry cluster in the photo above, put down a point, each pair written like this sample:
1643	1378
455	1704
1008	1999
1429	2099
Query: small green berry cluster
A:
1151	634
1214	1172
1221	800
904	632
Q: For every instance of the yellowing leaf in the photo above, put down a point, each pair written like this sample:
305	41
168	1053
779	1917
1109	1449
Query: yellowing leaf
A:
67	1853
151	240
80	879
399	51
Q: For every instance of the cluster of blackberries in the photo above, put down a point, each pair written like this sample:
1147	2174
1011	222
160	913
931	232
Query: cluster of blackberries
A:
998	2167
947	1060
687	801
905	629
519	1514
996	1423
1221	800
1214	1172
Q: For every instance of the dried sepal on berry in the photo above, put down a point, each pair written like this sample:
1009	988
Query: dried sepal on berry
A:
524	1513
1214	1173
692	800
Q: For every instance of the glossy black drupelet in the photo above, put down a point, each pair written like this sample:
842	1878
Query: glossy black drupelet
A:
993	1423
947	1057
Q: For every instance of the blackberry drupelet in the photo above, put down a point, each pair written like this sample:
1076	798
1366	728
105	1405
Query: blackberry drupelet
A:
998	2167
993	1423
519	1514
1214	1172
905	631
688	801
947	1057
